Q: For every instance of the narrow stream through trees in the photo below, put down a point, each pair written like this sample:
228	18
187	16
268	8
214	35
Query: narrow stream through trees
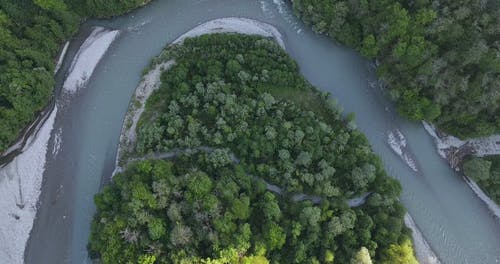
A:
457	224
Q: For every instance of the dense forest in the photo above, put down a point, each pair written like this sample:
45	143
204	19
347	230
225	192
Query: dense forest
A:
486	173
31	33
243	97
440	58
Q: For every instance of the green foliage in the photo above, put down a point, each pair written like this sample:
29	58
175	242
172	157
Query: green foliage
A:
329	256
30	35
477	168
229	256
156	229
486	173
316	151
147	259
369	47
399	254
193	229
437	57
362	257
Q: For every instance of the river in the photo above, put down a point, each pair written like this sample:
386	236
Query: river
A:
457	225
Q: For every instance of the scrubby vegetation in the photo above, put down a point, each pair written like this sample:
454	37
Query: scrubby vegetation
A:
243	97
486	173
31	33
439	58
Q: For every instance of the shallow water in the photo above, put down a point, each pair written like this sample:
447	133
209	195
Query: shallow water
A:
455	222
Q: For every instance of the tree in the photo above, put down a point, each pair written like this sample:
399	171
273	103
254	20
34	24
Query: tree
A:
233	67
199	184
271	208
399	254
477	168
147	259
241	208
310	216
369	48
329	256
255	260
362	257
274	236
156	229
304	158
181	235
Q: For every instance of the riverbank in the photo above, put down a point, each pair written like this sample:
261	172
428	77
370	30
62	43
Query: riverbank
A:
20	187
151	81
80	70
21	178
62	54
234	25
25	135
87	58
494	207
455	150
22	167
16	148
423	250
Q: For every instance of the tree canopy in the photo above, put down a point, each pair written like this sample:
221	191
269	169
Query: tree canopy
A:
439	58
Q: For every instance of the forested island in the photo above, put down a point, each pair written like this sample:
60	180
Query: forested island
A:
31	34
243	97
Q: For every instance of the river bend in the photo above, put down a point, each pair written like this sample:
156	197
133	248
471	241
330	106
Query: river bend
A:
457	225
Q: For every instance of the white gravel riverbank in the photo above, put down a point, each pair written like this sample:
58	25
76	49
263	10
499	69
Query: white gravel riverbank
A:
20	187
234	25
87	58
61	57
150	82
480	146
21	179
